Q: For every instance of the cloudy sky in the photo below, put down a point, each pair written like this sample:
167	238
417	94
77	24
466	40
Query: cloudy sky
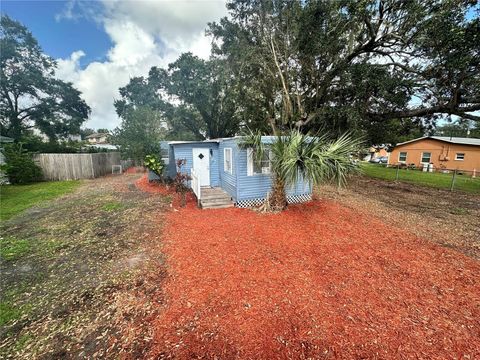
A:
100	45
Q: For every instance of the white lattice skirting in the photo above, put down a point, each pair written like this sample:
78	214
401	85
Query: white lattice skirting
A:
291	199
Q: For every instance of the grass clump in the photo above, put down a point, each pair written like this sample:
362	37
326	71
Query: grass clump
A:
8	312
13	249
17	198
459	211
112	206
431	179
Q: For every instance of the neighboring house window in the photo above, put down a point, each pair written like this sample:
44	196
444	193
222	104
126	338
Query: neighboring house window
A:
227	160
402	157
258	167
460	156
426	157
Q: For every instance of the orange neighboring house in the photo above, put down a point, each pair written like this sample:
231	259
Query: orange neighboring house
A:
443	152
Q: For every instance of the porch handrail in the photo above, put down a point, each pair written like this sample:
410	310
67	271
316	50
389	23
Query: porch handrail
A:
196	185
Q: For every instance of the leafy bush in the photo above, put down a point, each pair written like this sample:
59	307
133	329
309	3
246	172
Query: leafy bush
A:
20	167
154	163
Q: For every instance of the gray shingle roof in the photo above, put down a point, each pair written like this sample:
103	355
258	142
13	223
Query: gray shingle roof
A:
458	140
449	139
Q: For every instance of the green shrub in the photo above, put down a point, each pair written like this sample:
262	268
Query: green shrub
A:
36	144
20	167
154	163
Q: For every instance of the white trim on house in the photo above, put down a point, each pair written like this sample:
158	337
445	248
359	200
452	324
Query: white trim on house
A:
177	142
249	162
461	158
400	155
266	170
429	157
201	164
227	160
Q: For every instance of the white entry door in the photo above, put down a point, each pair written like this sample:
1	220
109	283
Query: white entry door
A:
201	165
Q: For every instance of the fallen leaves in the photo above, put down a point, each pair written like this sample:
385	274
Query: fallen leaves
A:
78	288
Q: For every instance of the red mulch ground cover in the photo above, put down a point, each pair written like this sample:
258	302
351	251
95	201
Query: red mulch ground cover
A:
316	281
155	187
152	187
134	170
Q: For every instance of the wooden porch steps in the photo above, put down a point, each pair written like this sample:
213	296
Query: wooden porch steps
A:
214	198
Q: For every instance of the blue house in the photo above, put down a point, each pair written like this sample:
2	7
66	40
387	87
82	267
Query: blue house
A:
223	174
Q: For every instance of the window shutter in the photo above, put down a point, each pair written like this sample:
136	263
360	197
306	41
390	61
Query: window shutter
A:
249	162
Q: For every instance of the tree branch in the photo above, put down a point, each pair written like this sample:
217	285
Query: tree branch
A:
438	109
467	116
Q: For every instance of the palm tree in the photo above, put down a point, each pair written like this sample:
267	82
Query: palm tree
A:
295	156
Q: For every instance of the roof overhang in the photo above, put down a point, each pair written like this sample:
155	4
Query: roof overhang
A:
451	140
194	142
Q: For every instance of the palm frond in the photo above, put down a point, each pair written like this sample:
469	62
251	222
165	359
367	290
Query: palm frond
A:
297	156
337	158
253	140
317	159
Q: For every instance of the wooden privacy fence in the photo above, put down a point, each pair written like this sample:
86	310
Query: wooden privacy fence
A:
76	166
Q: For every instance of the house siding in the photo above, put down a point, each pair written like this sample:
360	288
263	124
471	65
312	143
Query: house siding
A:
238	185
257	186
228	182
443	154
184	151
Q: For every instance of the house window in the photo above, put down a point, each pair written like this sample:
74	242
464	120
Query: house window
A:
227	160
460	156
402	157
426	157
258	167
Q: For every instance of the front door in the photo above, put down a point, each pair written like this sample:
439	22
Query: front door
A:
201	165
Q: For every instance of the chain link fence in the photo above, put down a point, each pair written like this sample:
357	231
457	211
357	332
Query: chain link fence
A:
449	179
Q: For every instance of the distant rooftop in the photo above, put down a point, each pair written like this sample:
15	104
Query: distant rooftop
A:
103	146
449	139
96	135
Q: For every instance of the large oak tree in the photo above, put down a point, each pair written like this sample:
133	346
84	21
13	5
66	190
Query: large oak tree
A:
352	64
196	98
31	96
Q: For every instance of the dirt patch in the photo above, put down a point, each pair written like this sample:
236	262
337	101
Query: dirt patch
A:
78	282
447	218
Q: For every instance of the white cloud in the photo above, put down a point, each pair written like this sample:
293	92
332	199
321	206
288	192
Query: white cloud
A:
67	12
144	34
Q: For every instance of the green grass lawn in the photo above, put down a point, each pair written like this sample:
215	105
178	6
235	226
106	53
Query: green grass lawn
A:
434	179
16	198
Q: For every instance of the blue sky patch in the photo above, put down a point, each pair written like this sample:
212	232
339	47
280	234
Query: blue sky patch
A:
60	37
